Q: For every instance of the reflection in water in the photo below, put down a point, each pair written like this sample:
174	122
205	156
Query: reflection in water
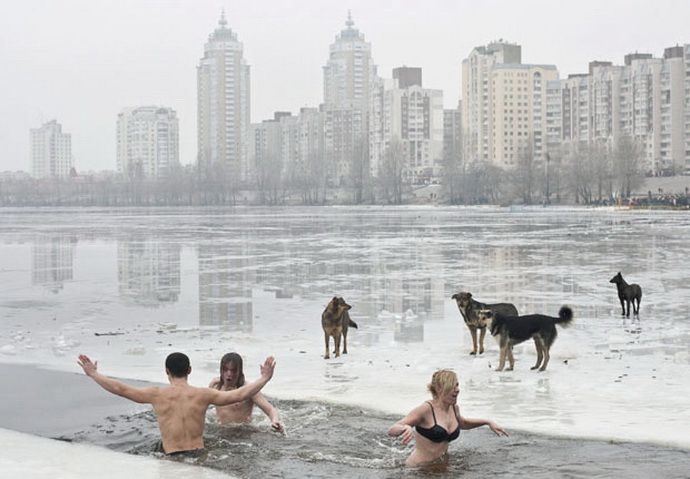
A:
148	270
397	268
225	287
52	261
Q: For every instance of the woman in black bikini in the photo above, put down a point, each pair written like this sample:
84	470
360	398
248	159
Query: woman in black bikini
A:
438	421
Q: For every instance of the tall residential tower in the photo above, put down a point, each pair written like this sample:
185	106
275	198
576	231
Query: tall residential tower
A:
348	80
223	108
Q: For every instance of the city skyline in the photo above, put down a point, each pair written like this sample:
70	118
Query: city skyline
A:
82	62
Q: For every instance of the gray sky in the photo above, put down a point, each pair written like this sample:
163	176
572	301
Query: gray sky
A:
82	61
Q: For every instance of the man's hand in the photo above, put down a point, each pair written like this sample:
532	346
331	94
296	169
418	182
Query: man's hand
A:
267	368
89	367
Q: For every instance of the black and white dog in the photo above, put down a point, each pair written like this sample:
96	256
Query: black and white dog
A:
512	330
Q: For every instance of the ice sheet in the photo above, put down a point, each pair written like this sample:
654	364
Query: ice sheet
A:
30	457
256	281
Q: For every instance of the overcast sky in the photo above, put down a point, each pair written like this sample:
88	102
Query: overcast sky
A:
81	61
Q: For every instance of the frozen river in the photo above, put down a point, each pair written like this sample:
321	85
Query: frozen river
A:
129	287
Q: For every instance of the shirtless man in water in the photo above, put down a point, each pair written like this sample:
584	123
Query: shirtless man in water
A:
231	378
180	407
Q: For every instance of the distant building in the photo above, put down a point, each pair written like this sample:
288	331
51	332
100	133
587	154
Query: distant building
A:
518	110
147	141
504	105
452	135
223	105
288	148
407	76
646	99
349	77
413	115
50	151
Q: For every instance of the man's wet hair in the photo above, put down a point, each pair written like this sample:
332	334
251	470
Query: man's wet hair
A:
177	364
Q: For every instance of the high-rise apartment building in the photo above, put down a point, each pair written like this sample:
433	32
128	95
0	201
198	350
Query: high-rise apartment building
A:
349	77
223	105
518	112
646	99
476	95
50	151
147	141
406	112
504	105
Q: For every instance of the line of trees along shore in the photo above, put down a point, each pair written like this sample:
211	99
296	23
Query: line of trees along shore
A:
582	174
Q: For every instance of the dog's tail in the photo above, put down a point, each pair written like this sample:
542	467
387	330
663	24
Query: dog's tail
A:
565	316
351	323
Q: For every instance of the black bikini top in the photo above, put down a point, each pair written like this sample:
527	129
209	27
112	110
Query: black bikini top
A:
438	433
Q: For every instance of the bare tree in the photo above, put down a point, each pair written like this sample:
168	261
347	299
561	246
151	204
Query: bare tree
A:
627	165
360	172
524	175
390	178
454	171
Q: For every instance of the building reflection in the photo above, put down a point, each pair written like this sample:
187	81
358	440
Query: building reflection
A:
225	287
52	260
148	271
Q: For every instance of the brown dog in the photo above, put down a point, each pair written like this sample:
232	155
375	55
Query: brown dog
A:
469	308
335	321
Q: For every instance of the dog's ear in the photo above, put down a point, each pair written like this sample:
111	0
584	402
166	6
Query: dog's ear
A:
455	296
469	295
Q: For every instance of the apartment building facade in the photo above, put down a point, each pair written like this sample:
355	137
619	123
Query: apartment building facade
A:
147	141
50	151
223	105
349	79
646	99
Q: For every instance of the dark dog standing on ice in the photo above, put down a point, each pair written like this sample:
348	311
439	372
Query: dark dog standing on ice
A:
627	293
335	321
469	308
512	330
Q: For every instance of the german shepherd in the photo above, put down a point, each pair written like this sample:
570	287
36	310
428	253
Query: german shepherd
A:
512	330
627	293
469	307
335	321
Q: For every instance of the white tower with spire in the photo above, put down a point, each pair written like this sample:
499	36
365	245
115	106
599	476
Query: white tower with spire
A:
349	77
223	106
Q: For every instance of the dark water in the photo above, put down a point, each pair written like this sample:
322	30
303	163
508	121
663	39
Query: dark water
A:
327	440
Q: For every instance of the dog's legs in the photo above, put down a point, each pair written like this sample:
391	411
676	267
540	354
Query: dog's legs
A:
326	337
336	340
622	300
539	344
473	333
502	357
627	313
511	359
547	356
482	333
344	342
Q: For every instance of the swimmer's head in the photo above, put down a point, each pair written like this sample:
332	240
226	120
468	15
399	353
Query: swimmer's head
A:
232	362
442	382
177	364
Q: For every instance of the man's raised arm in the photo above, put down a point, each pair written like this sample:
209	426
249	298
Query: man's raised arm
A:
140	395
223	398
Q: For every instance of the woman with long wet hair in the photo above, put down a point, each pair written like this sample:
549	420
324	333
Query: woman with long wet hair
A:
232	377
